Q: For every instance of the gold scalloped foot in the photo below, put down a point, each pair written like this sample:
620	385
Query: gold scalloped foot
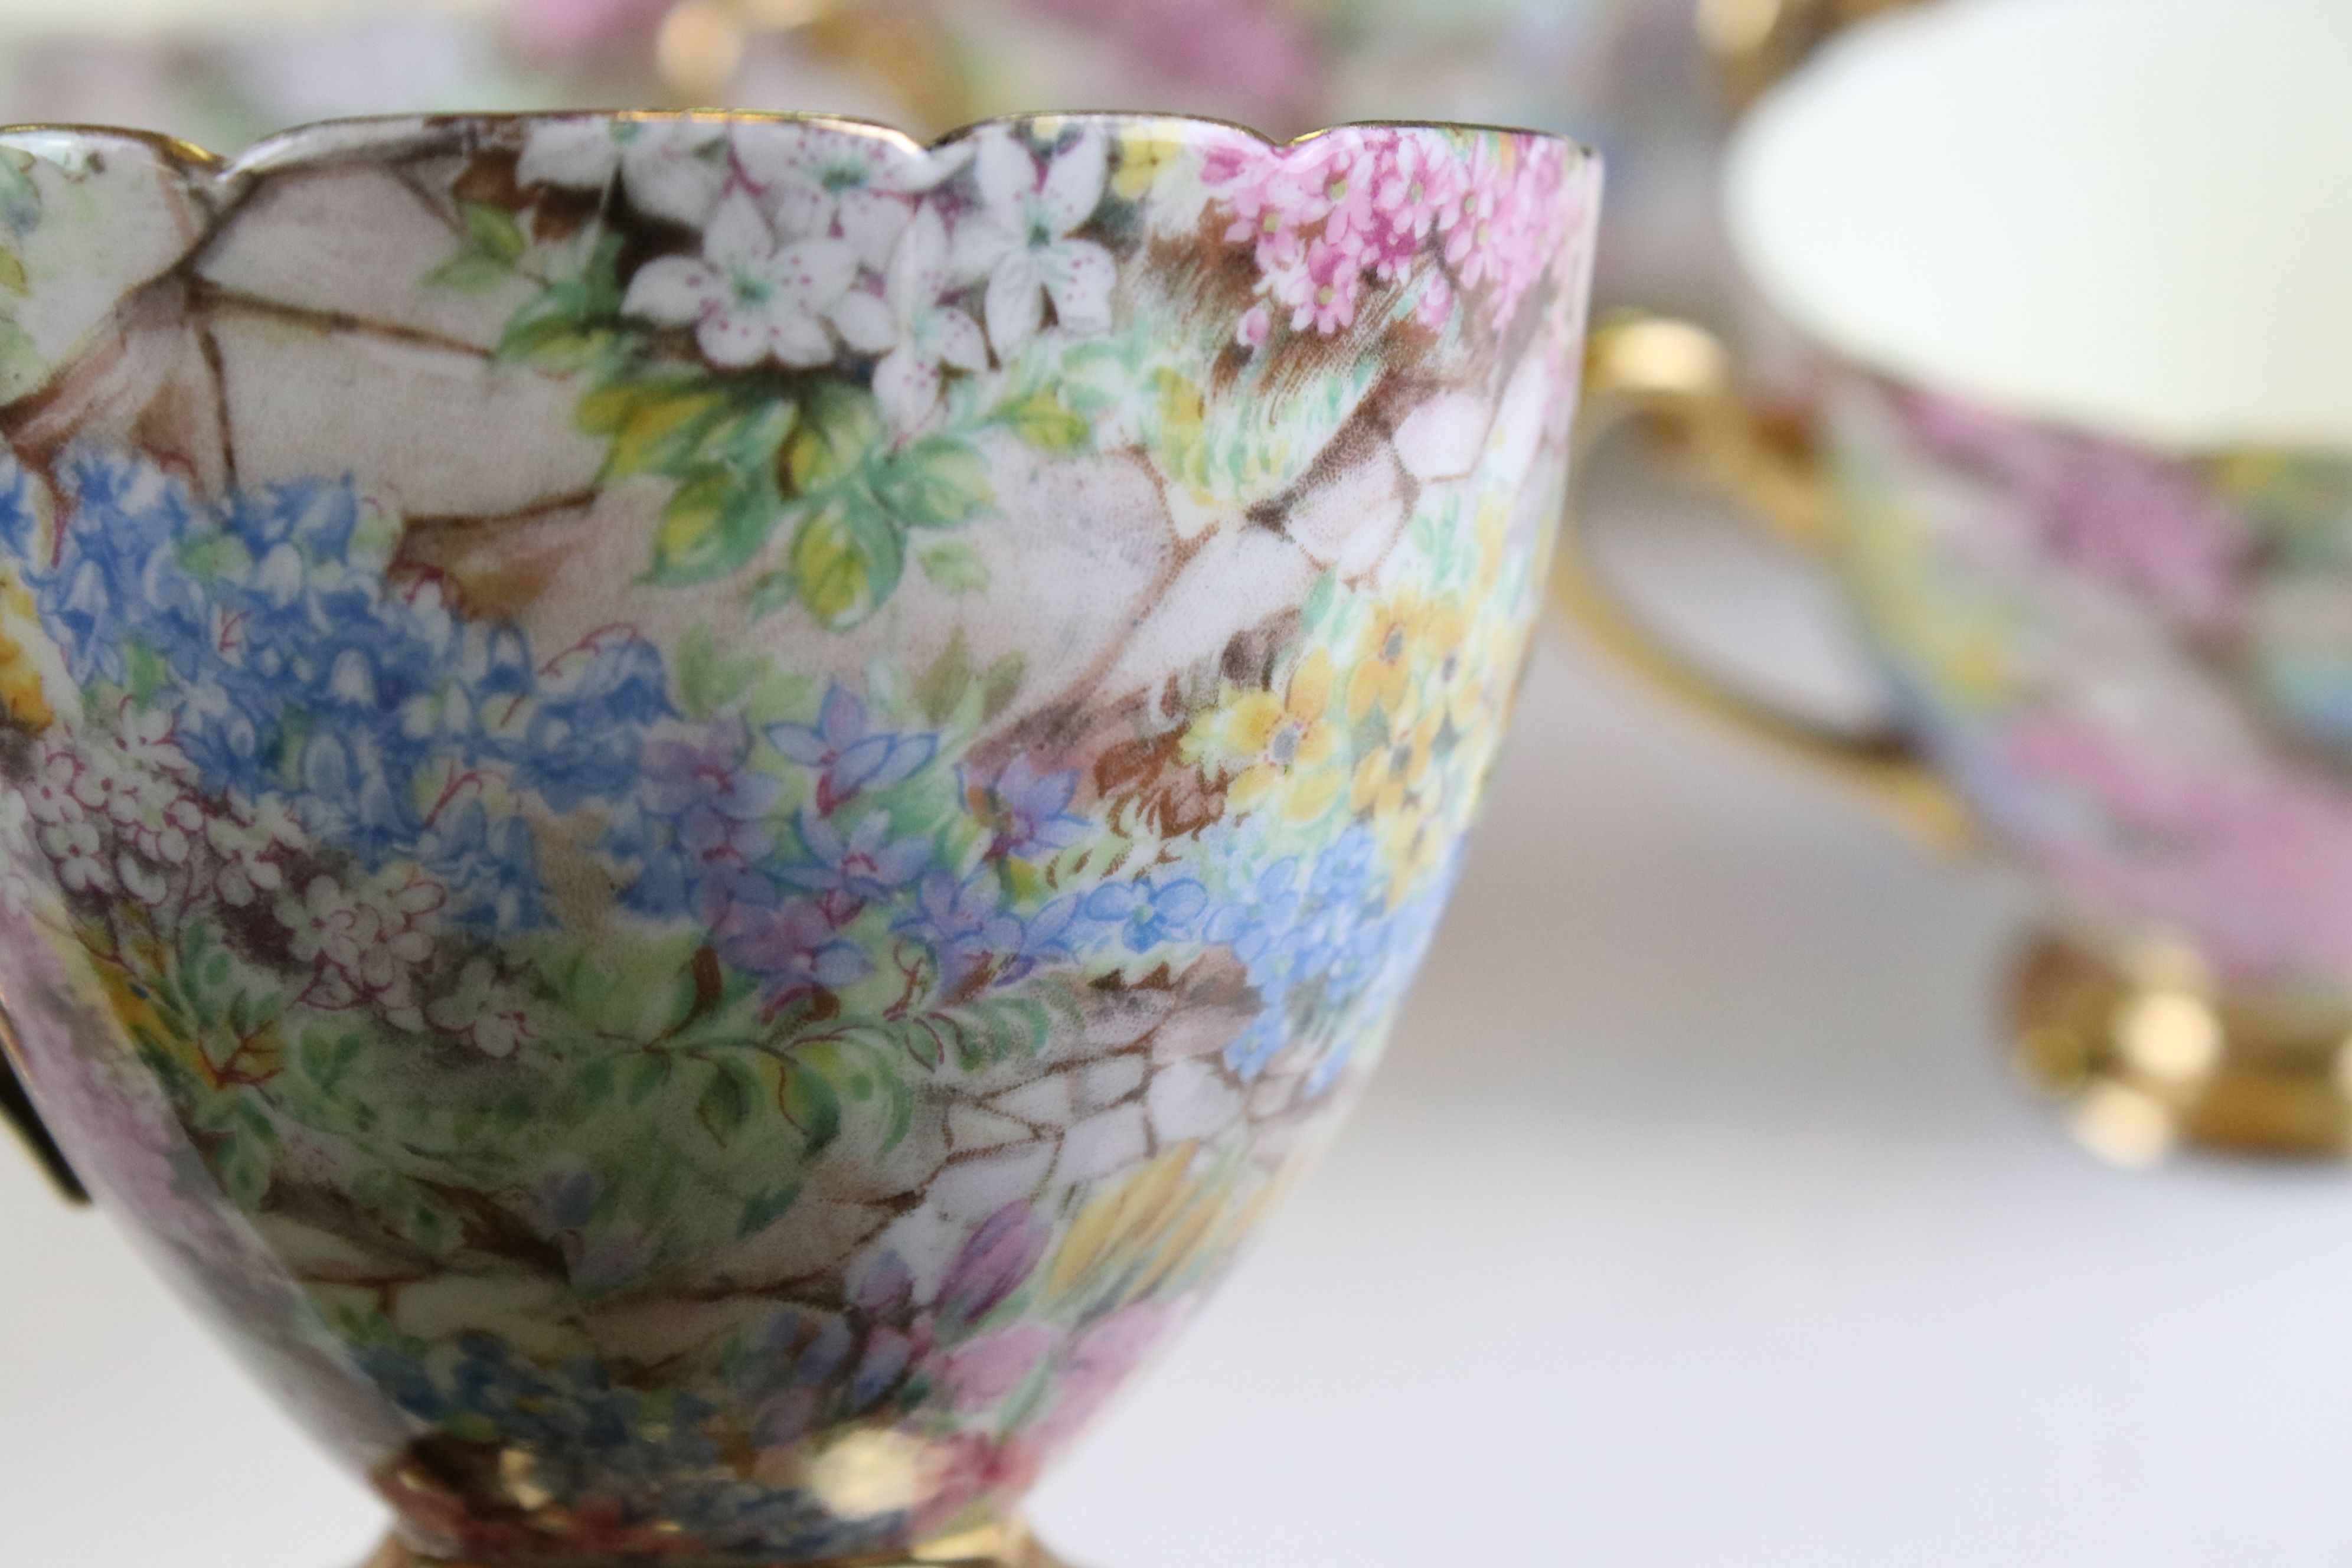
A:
2149	1058
1008	1545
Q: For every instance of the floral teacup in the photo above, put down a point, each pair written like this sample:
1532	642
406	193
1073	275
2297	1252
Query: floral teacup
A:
2086	469
699	808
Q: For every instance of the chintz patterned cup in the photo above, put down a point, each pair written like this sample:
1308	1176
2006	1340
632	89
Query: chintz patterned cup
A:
699	808
2069	278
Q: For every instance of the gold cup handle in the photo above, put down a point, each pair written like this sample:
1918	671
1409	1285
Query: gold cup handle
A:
1673	380
16	1110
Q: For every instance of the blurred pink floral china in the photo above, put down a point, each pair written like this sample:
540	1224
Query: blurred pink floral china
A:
2139	666
2081	454
701	808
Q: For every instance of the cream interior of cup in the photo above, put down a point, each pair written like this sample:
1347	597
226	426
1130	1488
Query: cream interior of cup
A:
2133	214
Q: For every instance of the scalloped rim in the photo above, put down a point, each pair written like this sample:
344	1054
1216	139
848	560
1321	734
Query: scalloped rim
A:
323	139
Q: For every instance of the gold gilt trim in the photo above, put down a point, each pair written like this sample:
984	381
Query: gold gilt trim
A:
2149	1058
1006	1545
1755	43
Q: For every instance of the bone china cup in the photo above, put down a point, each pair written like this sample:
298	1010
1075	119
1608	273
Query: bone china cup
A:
2076	272
699	808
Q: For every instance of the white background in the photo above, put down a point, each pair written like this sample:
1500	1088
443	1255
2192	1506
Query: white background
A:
1692	1220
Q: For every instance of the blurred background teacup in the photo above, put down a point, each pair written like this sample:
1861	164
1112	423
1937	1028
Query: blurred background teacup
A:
2072	281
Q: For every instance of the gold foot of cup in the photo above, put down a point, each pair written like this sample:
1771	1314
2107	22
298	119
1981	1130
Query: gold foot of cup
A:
2149	1059
992	1546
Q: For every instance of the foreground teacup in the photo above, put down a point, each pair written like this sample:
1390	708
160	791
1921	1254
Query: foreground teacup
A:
2074	272
699	807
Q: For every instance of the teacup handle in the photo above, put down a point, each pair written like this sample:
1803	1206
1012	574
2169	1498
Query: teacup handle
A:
16	1110
1675	379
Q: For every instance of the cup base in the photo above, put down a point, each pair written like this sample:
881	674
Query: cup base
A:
990	1546
2149	1060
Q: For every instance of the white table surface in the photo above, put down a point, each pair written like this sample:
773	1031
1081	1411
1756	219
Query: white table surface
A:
1693	1221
